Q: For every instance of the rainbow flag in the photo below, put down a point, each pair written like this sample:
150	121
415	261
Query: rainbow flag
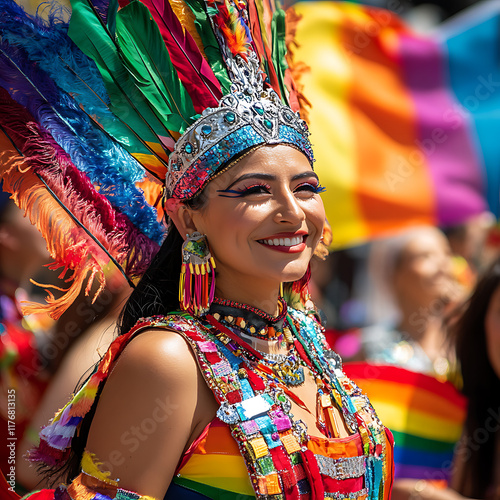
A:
403	126
424	414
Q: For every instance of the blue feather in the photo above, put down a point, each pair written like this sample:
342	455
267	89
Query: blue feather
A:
47	44
107	164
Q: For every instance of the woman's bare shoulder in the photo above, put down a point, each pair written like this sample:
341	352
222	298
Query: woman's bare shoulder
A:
147	412
162	350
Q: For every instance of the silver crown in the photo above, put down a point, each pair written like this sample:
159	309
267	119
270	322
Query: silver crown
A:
248	104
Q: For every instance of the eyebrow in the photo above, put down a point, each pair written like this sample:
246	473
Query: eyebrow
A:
270	177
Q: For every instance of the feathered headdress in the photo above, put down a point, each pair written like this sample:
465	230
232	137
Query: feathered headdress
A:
97	112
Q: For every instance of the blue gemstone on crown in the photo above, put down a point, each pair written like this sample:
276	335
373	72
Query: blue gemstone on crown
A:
268	124
230	117
259	108
206	130
188	148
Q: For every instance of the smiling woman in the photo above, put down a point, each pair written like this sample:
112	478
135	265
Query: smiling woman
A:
255	210
255	403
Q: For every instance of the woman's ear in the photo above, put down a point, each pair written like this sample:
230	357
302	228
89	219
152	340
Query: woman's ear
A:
181	216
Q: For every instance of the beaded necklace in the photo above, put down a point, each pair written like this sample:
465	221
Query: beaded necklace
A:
249	322
252	321
333	388
290	373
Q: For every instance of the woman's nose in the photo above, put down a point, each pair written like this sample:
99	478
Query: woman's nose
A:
289	209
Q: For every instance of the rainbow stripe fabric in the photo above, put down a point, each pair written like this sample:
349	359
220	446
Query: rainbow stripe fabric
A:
214	467
424	414
403	126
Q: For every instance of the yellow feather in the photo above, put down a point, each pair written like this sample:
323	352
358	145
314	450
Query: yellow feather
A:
90	465
186	18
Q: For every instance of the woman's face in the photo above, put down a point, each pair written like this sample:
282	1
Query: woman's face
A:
492	328
264	217
424	271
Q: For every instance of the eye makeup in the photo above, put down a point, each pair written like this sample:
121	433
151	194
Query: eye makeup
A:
238	193
313	188
265	188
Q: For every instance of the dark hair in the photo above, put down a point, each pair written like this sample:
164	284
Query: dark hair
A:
481	386
158	290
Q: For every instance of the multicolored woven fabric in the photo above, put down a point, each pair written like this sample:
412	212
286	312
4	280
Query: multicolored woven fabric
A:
424	414
214	466
214	462
401	124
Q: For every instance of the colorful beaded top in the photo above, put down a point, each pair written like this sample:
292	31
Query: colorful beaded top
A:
281	459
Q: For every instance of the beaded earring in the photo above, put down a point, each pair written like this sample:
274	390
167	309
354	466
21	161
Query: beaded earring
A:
197	279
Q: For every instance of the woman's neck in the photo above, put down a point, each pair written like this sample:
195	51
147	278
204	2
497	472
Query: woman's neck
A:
427	331
421	320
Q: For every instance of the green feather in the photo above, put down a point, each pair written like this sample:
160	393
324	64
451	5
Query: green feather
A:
148	62
112	125
278	28
210	44
134	100
111	16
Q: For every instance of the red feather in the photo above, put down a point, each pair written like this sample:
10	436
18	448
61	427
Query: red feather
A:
192	68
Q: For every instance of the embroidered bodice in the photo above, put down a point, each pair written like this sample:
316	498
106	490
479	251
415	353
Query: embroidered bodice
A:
255	447
280	459
214	467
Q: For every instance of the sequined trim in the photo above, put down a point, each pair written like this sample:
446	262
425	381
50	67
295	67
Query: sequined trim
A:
355	495
341	468
247	117
186	183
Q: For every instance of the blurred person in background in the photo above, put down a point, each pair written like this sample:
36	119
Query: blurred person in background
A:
477	339
413	287
408	367
82	336
22	376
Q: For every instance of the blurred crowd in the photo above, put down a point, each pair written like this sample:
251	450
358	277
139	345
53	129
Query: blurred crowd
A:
426	302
